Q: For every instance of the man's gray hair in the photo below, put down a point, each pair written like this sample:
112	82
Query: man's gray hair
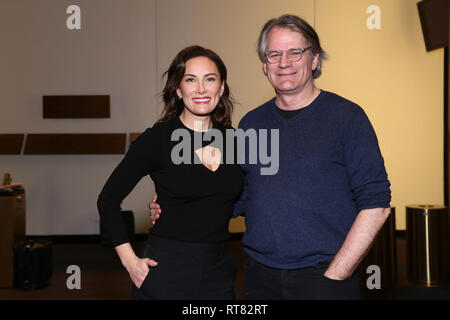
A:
297	24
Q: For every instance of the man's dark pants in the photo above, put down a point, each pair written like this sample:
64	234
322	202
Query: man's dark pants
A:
265	283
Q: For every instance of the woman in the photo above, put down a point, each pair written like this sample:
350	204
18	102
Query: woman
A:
185	255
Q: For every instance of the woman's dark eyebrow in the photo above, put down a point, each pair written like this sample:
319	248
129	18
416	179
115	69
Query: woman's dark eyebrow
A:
206	75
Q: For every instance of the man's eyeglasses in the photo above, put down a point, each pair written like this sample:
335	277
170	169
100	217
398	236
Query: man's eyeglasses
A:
293	55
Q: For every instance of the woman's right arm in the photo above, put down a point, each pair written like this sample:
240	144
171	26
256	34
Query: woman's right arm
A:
140	159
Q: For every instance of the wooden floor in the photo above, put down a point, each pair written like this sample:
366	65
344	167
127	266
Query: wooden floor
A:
103	277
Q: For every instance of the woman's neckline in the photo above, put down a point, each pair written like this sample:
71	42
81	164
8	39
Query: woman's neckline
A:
192	130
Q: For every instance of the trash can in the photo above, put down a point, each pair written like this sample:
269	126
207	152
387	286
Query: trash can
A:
32	264
12	231
383	254
427	245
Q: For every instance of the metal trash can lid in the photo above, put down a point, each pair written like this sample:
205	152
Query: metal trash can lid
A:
426	207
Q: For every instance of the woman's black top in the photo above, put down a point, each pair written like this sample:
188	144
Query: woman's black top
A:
196	203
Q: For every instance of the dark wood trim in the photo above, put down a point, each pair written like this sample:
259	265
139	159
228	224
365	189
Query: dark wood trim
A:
11	143
133	136
78	107
88	143
78	238
236	236
96	238
400	233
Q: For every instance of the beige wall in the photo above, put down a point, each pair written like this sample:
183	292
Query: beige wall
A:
124	47
399	85
113	53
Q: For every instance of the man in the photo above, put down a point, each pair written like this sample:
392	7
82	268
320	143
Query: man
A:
309	225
